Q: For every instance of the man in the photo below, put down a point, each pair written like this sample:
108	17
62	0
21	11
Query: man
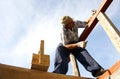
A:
70	44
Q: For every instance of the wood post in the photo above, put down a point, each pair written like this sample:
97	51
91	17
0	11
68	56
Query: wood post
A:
112	73
41	52
93	20
74	64
40	61
112	32
12	72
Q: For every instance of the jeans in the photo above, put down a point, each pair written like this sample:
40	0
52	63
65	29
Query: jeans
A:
82	55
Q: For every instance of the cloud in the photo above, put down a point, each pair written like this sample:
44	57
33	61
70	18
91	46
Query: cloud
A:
16	18
7	21
24	23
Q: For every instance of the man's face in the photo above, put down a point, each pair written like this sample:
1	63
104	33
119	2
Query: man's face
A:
69	25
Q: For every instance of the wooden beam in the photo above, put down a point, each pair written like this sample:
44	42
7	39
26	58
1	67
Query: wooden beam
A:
112	73
38	65
40	61
74	64
112	32
41	51
93	21
12	72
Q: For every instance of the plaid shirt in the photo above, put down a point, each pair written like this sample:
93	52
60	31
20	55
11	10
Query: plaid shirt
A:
71	36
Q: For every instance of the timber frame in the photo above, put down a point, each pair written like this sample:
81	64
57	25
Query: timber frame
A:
12	72
40	62
108	26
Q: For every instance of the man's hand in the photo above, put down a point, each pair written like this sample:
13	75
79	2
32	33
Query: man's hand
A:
82	44
75	45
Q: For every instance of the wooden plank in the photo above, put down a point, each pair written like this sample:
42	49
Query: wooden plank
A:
37	65
112	73
12	72
116	74
112	32
40	61
41	51
74	64
93	20
41	47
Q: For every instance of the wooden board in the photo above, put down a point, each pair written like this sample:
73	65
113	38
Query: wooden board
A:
38	64
110	29
74	64
93	21
12	72
112	73
40	61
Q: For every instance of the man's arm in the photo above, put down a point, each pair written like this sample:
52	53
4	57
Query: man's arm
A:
71	46
75	45
81	24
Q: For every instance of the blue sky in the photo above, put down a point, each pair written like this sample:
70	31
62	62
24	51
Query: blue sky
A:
23	23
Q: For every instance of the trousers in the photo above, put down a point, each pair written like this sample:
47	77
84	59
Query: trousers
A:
81	54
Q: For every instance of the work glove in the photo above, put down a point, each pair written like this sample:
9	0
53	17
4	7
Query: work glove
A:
82	44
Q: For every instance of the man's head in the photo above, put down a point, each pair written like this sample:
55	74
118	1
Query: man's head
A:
67	21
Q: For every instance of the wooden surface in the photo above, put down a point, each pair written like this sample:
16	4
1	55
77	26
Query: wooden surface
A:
75	68
12	72
40	61
112	73
93	21
41	47
38	65
111	30
41	51
74	64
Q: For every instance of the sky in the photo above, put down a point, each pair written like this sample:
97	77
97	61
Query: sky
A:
23	23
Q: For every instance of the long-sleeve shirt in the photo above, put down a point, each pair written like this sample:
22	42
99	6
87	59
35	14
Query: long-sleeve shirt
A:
71	36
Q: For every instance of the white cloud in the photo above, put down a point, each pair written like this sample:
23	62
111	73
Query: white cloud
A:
30	21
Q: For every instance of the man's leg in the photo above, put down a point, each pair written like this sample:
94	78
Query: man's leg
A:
86	60
61	60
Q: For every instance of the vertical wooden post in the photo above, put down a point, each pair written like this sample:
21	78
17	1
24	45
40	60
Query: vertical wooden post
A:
41	51
74	64
41	47
110	29
93	20
40	61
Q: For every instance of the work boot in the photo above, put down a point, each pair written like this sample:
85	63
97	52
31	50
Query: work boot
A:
99	72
